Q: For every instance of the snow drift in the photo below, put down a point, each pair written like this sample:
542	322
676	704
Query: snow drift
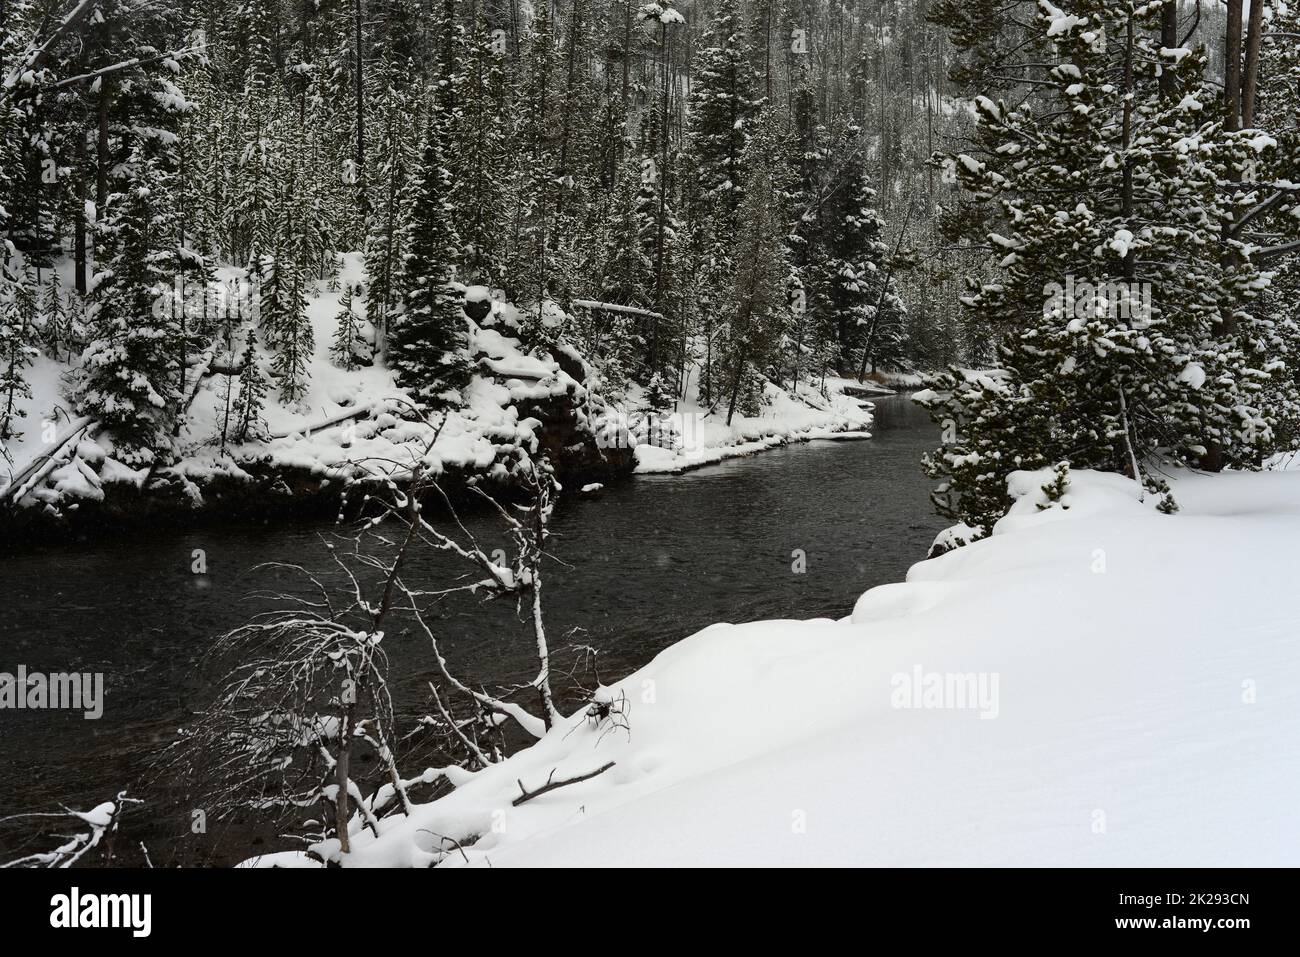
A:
1146	676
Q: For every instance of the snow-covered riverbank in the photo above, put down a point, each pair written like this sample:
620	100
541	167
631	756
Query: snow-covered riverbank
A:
60	466
702	437
1095	684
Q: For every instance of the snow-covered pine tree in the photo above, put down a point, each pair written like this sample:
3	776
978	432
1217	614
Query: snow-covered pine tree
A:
349	349
295	342
626	271
757	311
126	381
658	230
1279	114
268	272
480	158
534	194
258	121
389	212
250	401
427	347
658	396
854	286
1120	299
17	347
724	103
26	299
55	311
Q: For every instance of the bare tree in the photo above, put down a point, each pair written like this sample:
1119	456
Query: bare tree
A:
306	682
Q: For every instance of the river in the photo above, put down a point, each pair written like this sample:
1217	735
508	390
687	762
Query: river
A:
649	562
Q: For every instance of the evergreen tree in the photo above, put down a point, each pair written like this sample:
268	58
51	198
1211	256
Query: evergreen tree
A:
724	105
249	403
757	311
533	258
723	108
427	350
858	277
627	270
295	341
55	310
349	348
388	224
480	161
1279	107
124	369
1123	307
17	347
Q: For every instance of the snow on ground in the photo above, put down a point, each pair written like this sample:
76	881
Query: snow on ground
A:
1131	692
45	412
316	436
702	437
867	386
321	434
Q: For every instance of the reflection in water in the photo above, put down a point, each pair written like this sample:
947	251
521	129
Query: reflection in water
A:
652	561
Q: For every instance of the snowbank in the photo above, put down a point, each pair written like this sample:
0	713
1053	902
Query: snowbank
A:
701	437
345	417
356	415
1094	684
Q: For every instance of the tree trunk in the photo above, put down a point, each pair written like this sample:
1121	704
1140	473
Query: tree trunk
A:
735	385
1168	40
1250	84
358	13
102	158
341	780
1232	68
79	221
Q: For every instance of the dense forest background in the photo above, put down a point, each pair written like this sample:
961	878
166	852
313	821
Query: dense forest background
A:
763	191
676	160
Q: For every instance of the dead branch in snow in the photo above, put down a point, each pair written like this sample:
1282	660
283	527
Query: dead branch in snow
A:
552	785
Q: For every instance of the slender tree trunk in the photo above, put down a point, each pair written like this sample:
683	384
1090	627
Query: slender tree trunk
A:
1168	40
342	779
358	14
102	159
1250	84
79	220
567	126
1232	68
741	361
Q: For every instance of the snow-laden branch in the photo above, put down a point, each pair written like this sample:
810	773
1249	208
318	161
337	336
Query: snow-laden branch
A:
126	65
595	306
37	55
101	821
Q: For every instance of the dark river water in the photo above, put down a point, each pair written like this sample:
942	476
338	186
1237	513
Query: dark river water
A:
651	561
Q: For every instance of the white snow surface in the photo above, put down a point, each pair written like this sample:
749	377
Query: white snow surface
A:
703	437
1148	692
